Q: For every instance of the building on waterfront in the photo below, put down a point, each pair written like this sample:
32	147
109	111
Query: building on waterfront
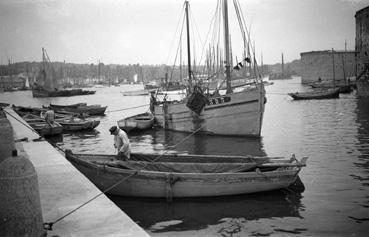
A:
327	65
362	47
9	83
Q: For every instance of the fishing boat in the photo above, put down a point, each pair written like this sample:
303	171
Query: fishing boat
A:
75	124
79	108
47	82
173	175
42	127
237	112
136	93
317	94
137	122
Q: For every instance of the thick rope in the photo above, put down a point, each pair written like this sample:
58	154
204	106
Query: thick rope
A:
110	111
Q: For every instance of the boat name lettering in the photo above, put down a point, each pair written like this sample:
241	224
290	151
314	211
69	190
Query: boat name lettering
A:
219	100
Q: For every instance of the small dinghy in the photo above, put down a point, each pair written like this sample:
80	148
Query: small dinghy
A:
137	122
315	95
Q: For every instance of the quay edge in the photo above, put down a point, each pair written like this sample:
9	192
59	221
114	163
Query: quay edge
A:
63	188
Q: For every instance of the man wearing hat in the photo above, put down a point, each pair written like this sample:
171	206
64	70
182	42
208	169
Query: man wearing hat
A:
121	142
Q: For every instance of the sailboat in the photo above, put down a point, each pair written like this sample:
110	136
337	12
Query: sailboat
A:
236	112
47	83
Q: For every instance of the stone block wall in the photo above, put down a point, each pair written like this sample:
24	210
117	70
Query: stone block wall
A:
319	64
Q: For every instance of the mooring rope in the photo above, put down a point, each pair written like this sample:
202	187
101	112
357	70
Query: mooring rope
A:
110	111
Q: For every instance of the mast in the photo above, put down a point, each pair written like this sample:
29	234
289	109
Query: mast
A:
226	46
334	76
188	49
282	66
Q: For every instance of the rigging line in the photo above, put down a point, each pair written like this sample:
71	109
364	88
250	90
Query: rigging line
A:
178	49
26	125
110	111
50	224
174	36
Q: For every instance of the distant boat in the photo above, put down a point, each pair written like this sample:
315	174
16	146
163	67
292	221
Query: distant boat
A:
79	108
137	122
174	175
136	93
47	83
318	94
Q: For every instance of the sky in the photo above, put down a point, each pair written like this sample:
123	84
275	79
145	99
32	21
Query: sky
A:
142	31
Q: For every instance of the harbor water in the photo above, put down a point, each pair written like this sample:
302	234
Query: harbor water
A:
333	133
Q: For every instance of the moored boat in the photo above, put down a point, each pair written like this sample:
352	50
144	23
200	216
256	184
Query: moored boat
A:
80	108
169	176
137	122
237	112
76	124
317	94
42	127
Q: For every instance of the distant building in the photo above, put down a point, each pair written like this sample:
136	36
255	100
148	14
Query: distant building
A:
362	38
326	66
362	47
8	83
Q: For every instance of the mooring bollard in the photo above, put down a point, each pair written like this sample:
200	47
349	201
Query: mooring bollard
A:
20	206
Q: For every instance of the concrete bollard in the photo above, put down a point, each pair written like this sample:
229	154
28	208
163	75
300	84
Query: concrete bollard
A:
6	138
20	206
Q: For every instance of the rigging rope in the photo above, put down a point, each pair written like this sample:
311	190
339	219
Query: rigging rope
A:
110	111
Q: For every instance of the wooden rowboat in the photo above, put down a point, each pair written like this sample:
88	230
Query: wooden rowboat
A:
172	175
78	124
42	127
138	122
319	94
79	108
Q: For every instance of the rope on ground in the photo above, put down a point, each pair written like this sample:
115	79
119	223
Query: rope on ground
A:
110	111
49	225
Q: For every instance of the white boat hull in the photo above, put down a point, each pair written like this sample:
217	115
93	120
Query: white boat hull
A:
238	114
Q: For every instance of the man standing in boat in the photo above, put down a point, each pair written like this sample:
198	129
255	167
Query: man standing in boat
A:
121	142
49	117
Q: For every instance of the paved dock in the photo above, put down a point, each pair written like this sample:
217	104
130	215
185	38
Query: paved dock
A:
63	188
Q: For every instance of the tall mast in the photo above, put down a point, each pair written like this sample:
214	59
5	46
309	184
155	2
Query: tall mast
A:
282	66
226	46
188	49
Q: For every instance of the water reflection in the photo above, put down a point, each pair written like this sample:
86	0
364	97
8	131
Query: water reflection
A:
199	213
199	144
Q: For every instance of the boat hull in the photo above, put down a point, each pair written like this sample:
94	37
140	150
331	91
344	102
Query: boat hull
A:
137	122
236	114
329	94
61	93
142	183
88	109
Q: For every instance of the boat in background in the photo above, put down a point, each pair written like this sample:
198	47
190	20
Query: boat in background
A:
237	112
175	175
76	124
137	122
79	108
47	82
316	94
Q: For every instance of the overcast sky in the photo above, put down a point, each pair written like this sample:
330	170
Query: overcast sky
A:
141	31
